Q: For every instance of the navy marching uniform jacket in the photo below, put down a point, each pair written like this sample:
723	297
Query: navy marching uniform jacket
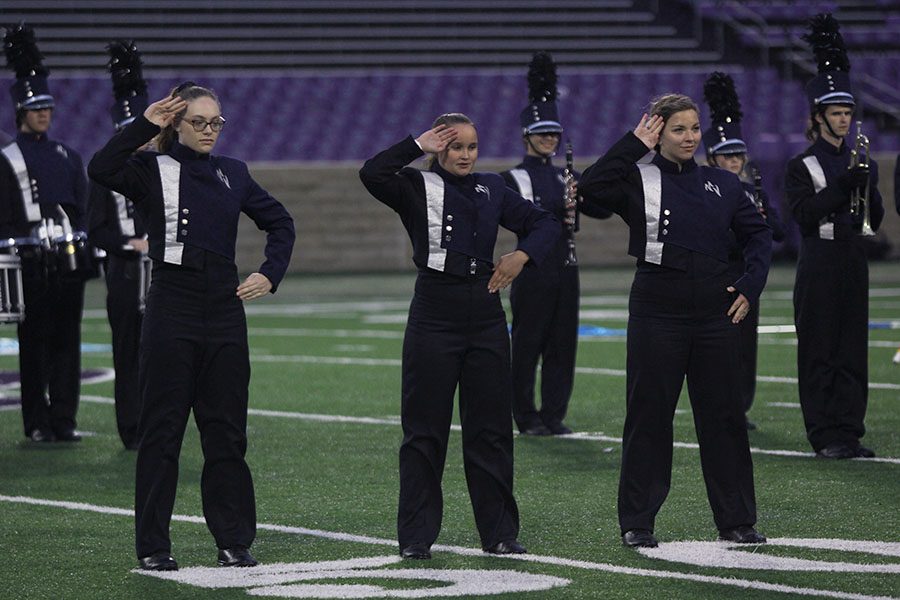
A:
190	221
662	227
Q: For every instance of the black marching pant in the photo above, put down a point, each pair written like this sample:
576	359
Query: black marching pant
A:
194	356
123	287
545	327
50	350
677	329
831	313
456	336
749	349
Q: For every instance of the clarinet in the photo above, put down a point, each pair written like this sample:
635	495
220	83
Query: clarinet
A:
757	189
569	178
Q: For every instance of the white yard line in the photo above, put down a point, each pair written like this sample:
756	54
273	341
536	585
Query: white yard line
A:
463	551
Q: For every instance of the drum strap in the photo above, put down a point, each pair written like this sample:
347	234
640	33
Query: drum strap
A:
13	154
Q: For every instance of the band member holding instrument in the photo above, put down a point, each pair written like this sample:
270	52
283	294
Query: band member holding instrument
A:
831	291
684	311
544	297
43	188
456	334
118	229
726	149
194	354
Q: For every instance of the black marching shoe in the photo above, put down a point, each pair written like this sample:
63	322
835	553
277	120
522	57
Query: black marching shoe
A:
507	547
158	561
40	436
836	450
558	428
639	538
863	452
539	429
67	435
237	556
742	534
416	551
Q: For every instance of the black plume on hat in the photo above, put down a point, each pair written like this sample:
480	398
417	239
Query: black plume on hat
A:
827	43
126	69
22	54
541	115
832	84
30	90
724	104
542	78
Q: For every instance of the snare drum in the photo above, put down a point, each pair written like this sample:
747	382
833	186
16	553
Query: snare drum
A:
146	272
13	252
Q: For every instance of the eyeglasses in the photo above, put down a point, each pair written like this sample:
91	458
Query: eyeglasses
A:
200	124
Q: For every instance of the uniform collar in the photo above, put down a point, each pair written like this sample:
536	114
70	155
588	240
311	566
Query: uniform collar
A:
537	161
23	136
182	153
465	182
827	147
668	166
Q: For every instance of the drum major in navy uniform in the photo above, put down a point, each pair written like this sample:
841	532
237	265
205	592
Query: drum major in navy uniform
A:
544	297
194	354
118	229
43	190
684	309
831	290
456	333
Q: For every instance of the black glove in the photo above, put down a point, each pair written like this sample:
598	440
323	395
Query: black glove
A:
854	178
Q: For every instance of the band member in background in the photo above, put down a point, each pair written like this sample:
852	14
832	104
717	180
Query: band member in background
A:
726	149
831	291
456	333
544	297
44	193
194	353
118	229
684	311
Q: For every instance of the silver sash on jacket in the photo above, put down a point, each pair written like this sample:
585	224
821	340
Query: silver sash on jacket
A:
126	223
826	227
651	179
523	180
170	177
13	154
434	212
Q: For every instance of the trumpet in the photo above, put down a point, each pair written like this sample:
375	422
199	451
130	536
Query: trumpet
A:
859	197
569	178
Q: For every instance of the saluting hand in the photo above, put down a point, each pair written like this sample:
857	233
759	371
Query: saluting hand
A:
255	286
739	308
649	129
507	268
162	112
435	140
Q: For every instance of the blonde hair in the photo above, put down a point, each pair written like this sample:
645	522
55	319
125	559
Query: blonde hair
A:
187	91
448	119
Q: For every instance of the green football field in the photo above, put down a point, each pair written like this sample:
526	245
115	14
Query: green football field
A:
323	438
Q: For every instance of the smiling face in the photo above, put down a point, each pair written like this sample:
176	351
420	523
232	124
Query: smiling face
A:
460	156
199	110
680	136
542	144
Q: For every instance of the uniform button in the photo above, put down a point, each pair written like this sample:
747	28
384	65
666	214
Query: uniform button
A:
184	232
447	238
665	221
666	212
665	231
34	182
537	198
184	222
35	195
185	211
449	217
449	227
